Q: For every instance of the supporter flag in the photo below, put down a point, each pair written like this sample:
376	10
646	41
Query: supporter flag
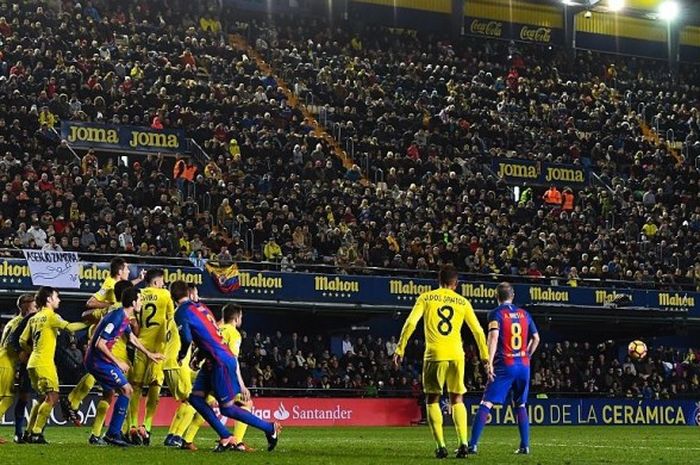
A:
55	269
225	277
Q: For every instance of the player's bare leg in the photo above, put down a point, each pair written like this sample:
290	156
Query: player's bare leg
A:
434	414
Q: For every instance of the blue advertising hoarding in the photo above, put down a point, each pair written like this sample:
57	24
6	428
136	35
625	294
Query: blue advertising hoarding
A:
123	138
596	411
368	290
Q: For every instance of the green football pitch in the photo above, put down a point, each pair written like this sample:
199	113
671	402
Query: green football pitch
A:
376	446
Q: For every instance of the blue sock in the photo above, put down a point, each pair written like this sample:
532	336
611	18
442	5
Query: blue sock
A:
201	406
118	416
20	420
239	414
482	416
524	427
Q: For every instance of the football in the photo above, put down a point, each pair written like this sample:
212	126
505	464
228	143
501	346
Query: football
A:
637	350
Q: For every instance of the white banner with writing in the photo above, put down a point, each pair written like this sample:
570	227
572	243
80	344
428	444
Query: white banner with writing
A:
55	269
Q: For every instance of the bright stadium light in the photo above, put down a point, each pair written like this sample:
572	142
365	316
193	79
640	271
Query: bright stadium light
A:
616	5
669	10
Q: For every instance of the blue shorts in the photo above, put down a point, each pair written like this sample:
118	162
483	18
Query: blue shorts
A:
516	377
107	374
218	379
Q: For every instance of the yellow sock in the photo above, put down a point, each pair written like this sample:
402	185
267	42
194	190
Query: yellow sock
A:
42	416
177	418
240	428
435	423
459	417
5	403
134	407
32	415
151	406
192	430
102	407
187	413
80	391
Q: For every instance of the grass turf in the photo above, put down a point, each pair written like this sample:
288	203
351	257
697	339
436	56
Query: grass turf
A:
376	446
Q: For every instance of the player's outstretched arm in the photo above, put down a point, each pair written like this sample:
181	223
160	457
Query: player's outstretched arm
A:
533	344
477	331
156	357
492	346
408	327
94	303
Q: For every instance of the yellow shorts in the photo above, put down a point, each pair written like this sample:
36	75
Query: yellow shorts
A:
7	381
44	379
437	374
145	372
179	381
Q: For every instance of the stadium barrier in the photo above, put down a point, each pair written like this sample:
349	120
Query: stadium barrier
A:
303	411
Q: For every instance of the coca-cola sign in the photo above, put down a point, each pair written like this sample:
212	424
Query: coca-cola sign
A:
486	28
536	34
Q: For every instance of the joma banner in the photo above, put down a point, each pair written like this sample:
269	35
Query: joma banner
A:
123	138
55	269
517	171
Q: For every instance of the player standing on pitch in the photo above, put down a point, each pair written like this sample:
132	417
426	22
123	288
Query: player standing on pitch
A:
443	312
512	340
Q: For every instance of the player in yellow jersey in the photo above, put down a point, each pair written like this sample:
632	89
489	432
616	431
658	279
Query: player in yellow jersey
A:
178	374
39	337
231	320
98	305
10	361
152	320
443	311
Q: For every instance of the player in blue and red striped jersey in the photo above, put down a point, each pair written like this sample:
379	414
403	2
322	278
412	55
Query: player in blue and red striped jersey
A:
107	368
220	374
512	340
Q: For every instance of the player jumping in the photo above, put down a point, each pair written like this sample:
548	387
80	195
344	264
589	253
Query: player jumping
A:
220	374
443	312
107	368
512	340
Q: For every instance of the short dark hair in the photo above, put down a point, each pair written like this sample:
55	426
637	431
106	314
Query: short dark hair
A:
24	299
116	265
230	311
178	289
504	291
43	294
154	273
120	287
129	296
447	275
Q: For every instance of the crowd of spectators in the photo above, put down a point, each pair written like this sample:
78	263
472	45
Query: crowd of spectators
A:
426	118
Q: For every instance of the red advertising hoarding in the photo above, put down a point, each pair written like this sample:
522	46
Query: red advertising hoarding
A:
318	411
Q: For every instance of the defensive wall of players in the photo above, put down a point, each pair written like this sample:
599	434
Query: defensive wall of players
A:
379	291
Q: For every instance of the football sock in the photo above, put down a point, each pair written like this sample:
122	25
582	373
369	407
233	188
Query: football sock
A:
177	419
237	413
240	428
459	417
118	415
523	427
435	423
80	391
193	428
20	413
100	414
151	405
42	416
200	404
32	416
5	404
134	407
186	415
482	416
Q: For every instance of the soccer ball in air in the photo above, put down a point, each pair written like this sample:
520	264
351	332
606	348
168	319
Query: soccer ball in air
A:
637	350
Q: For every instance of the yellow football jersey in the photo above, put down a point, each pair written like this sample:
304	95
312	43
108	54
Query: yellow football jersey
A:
232	337
156	309
8	356
172	347
42	330
443	312
106	291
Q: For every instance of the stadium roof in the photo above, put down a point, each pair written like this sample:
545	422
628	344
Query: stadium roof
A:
689	9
